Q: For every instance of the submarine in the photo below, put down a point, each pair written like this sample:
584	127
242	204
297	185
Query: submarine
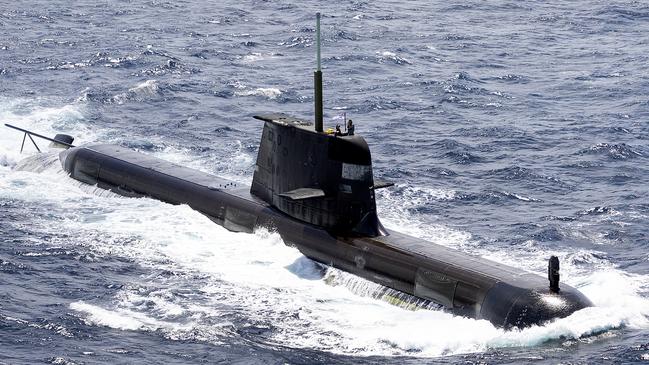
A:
317	190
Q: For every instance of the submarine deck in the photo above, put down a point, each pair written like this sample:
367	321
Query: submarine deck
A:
171	169
469	285
395	241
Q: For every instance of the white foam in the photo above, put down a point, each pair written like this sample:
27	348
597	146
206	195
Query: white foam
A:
274	284
267	92
148	87
391	56
395	208
256	57
524	198
253	57
120	318
142	91
416	195
236	166
41	116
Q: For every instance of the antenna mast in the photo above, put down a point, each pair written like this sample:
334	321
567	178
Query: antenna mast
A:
317	80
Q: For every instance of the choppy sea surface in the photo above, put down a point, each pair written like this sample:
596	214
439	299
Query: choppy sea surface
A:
513	130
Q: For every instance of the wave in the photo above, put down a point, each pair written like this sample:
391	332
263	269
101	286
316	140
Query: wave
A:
270	93
492	132
493	197
463	157
384	56
518	173
257	56
620	151
146	90
457	152
511	78
601	210
616	13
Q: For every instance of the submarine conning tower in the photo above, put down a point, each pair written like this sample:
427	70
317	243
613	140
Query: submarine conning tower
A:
318	178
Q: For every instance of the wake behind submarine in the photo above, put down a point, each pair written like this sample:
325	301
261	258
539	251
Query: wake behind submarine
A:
317	190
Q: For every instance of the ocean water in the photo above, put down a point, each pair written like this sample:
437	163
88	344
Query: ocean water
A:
513	131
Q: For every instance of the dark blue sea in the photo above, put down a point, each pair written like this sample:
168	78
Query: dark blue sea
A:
513	131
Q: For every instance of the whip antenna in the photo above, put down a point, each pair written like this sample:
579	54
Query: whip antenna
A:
317	79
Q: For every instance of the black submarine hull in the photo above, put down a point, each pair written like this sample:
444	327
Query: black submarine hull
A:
463	284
